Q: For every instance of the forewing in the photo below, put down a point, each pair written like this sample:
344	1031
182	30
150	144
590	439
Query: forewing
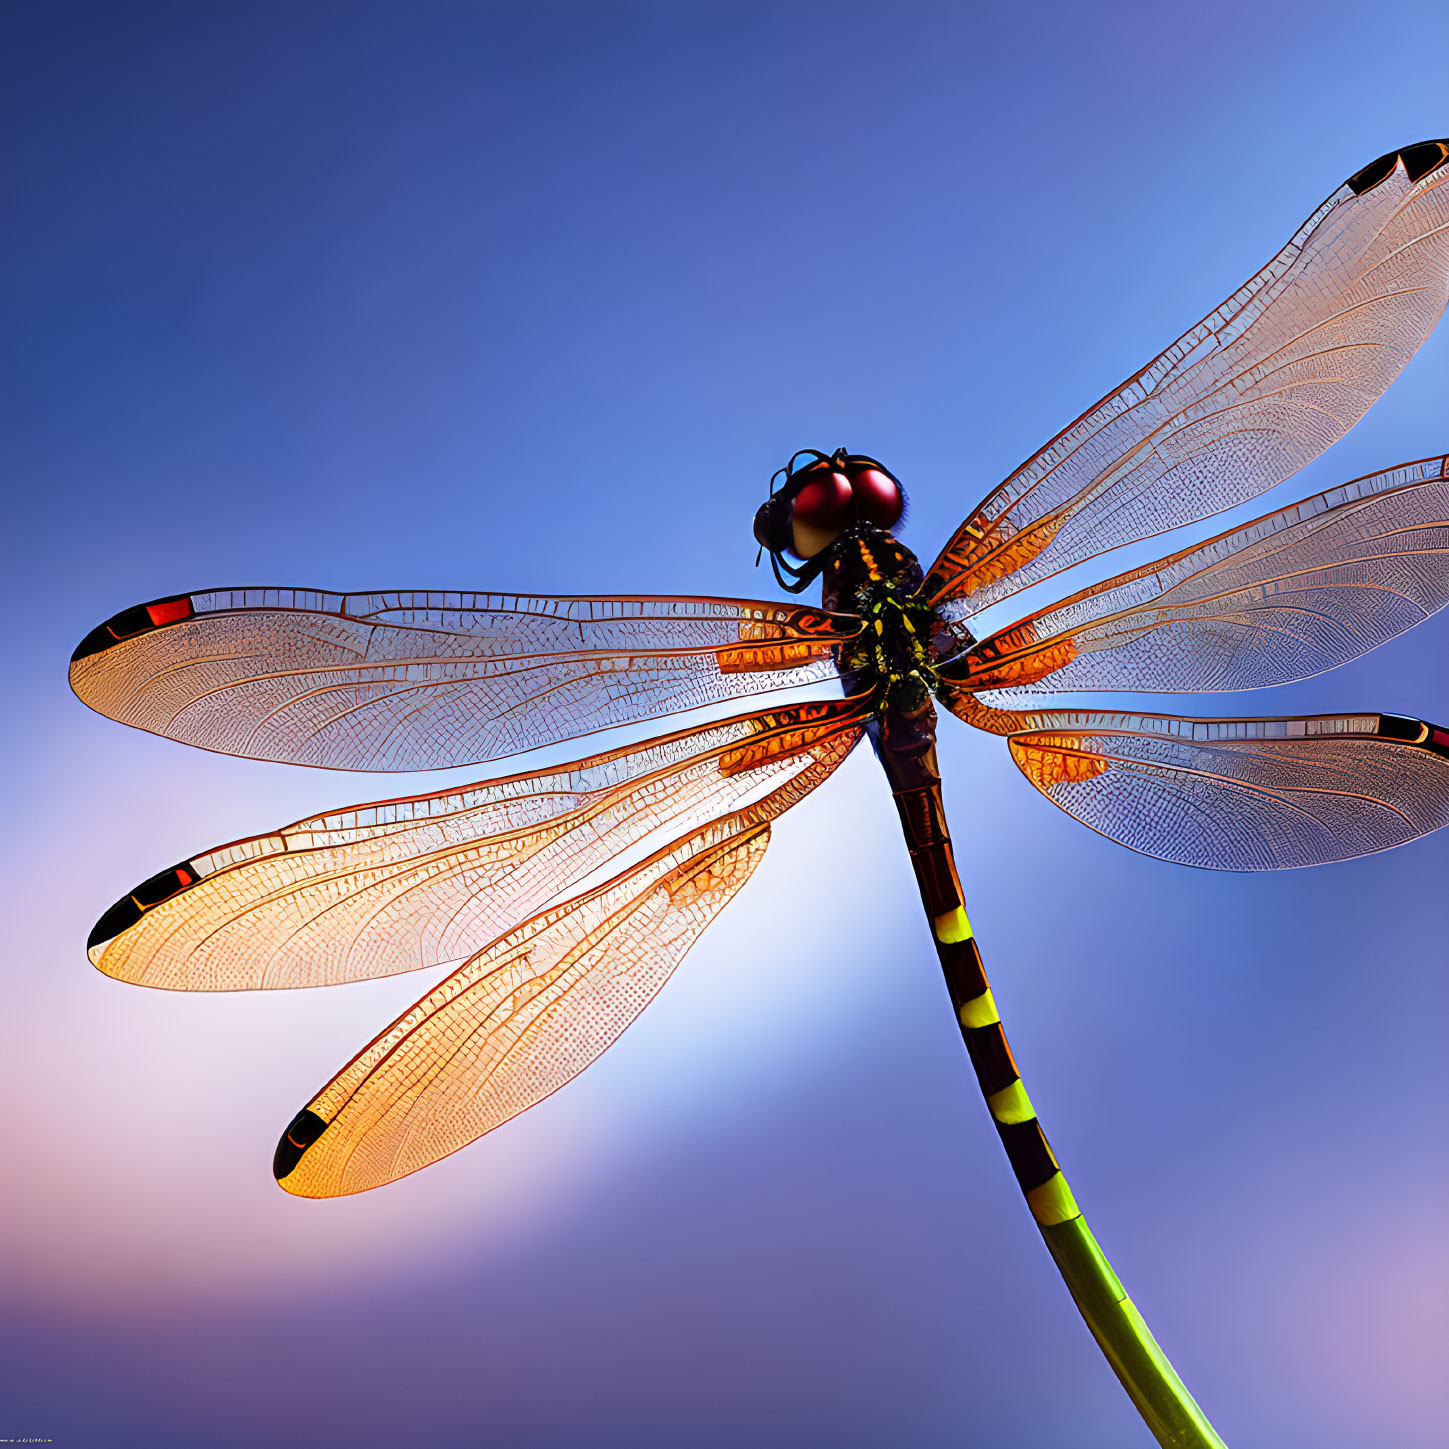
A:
1242	401
1249	794
1284	597
415	681
526	1014
401	884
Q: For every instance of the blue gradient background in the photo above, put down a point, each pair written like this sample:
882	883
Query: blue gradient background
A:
536	297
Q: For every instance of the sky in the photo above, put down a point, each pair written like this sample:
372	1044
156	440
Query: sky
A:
536	297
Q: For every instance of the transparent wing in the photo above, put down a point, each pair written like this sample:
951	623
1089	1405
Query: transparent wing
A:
526	1014
1239	403
1284	597
415	681
402	884
1247	794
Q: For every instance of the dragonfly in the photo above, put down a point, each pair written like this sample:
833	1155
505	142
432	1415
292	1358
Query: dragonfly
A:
520	877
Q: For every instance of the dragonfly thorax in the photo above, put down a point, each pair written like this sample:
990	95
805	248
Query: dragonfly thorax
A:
870	573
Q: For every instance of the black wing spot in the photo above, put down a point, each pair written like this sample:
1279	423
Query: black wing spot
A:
1400	727
1373	174
125	625
139	619
1427	156
165	884
129	909
1419	160
302	1131
121	917
1432	737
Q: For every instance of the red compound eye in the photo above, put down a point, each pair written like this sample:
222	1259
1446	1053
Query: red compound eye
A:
823	508
825	501
878	498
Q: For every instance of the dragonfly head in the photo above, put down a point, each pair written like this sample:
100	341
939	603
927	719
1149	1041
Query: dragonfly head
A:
820	497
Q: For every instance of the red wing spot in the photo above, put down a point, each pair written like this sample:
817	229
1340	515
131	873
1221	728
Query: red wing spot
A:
169	611
183	878
1440	737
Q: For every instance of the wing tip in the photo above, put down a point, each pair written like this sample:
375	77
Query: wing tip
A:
1410	731
133	622
1418	161
120	917
302	1131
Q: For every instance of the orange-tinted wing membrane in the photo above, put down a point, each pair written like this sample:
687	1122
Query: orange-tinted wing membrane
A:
1258	388
421	681
1284	597
1246	794
401	884
526	1014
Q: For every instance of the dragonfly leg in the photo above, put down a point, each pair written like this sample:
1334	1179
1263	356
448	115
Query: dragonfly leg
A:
1167	1408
